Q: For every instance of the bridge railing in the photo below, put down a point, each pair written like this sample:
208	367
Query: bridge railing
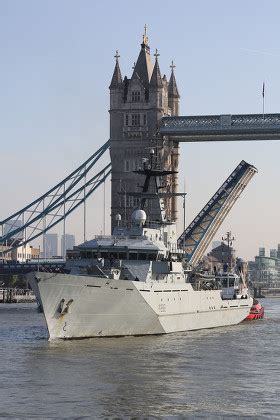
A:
220	122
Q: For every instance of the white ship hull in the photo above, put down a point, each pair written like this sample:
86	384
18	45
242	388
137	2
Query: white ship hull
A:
84	306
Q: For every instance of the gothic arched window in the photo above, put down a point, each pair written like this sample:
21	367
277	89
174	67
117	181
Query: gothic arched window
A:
135	120
135	96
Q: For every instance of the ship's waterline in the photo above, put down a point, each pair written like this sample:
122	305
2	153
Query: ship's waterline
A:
78	307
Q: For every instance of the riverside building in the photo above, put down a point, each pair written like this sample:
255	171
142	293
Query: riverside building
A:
67	243
264	272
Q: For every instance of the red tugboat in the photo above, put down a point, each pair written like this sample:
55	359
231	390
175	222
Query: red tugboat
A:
256	312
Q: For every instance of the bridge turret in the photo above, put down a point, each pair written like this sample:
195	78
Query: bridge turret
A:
158	87
156	81
173	93
116	85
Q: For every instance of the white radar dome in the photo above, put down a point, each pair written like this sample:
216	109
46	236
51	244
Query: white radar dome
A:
118	217
139	217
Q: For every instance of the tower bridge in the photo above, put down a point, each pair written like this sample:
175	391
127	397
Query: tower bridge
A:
145	107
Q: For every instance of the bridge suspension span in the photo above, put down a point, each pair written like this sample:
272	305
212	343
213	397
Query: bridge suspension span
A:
55	205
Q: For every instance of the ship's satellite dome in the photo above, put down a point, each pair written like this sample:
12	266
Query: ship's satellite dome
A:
139	216
118	217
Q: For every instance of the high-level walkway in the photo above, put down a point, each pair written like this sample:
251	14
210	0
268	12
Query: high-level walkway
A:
221	127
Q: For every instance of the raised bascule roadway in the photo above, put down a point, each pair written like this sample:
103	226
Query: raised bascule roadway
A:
54	206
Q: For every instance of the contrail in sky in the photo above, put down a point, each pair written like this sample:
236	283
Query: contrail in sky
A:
260	52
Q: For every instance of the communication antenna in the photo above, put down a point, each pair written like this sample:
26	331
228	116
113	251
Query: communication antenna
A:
229	241
104	208
38	265
184	212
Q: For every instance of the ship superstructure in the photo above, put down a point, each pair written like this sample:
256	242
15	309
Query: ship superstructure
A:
134	282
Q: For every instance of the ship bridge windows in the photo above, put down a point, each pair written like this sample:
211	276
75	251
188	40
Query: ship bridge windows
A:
105	255
147	256
122	255
142	256
228	281
85	254
114	255
88	254
133	255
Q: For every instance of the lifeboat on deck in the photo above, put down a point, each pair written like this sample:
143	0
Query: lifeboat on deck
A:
256	312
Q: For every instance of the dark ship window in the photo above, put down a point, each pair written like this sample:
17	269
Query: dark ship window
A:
133	256
122	256
104	255
142	256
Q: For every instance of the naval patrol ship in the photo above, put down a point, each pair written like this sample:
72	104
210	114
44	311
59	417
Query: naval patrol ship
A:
135	282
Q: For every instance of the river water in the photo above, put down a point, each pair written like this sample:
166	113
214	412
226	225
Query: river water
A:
220	373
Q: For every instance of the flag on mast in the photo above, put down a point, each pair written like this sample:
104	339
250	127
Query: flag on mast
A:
263	89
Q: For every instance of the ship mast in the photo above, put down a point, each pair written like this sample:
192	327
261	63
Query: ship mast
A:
229	240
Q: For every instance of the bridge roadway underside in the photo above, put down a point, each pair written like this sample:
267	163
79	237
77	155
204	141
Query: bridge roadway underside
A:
221	127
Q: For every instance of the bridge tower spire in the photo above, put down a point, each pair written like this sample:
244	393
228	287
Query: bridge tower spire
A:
116	81
173	93
116	85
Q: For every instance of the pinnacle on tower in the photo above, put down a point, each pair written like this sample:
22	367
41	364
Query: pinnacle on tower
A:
145	38
172	86
156	80
143	66
116	81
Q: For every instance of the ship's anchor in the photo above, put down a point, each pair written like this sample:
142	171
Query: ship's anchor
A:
63	307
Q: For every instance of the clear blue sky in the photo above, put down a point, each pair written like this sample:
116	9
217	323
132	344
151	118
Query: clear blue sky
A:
56	66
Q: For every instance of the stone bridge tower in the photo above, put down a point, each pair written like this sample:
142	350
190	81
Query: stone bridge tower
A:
136	108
